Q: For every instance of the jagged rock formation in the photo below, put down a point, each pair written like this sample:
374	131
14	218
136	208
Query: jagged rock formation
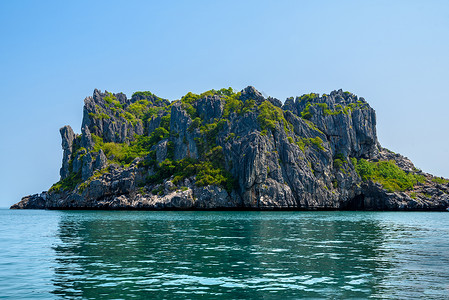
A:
67	142
227	150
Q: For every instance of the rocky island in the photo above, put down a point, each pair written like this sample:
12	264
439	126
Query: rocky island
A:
234	150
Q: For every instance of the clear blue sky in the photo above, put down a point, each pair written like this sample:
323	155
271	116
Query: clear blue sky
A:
54	53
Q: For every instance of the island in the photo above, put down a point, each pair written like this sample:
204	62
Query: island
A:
224	149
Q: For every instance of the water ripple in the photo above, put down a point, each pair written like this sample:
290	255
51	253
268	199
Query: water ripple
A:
234	255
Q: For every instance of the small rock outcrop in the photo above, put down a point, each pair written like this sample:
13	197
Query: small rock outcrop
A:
234	150
36	201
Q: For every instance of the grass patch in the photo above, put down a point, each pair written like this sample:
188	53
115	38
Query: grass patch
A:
67	184
303	143
440	180
387	173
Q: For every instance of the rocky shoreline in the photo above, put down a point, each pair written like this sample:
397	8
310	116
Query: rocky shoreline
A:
224	150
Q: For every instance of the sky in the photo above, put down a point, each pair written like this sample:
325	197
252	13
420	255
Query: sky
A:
53	54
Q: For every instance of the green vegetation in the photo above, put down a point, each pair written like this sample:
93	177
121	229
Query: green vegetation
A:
142	109
196	123
145	94
209	132
73	178
165	122
149	95
139	111
248	106
270	115
190	98
208	172
306	113
353	161
338	109
210	167
99	116
230	136
120	153
123	153
339	161
110	98
308	97
301	144
317	142
388	174
67	184
191	111
158	191
440	180
97	174
232	104
313	126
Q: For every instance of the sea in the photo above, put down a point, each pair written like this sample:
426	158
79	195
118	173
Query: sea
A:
223	255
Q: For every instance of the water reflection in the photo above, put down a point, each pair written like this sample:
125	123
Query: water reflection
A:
122	255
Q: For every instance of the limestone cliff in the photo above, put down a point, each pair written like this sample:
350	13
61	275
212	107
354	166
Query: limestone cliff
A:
228	150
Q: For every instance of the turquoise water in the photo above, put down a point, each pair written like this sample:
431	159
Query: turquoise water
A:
223	255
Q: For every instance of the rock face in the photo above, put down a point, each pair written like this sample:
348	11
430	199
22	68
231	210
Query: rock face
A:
37	201
228	150
109	115
68	137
